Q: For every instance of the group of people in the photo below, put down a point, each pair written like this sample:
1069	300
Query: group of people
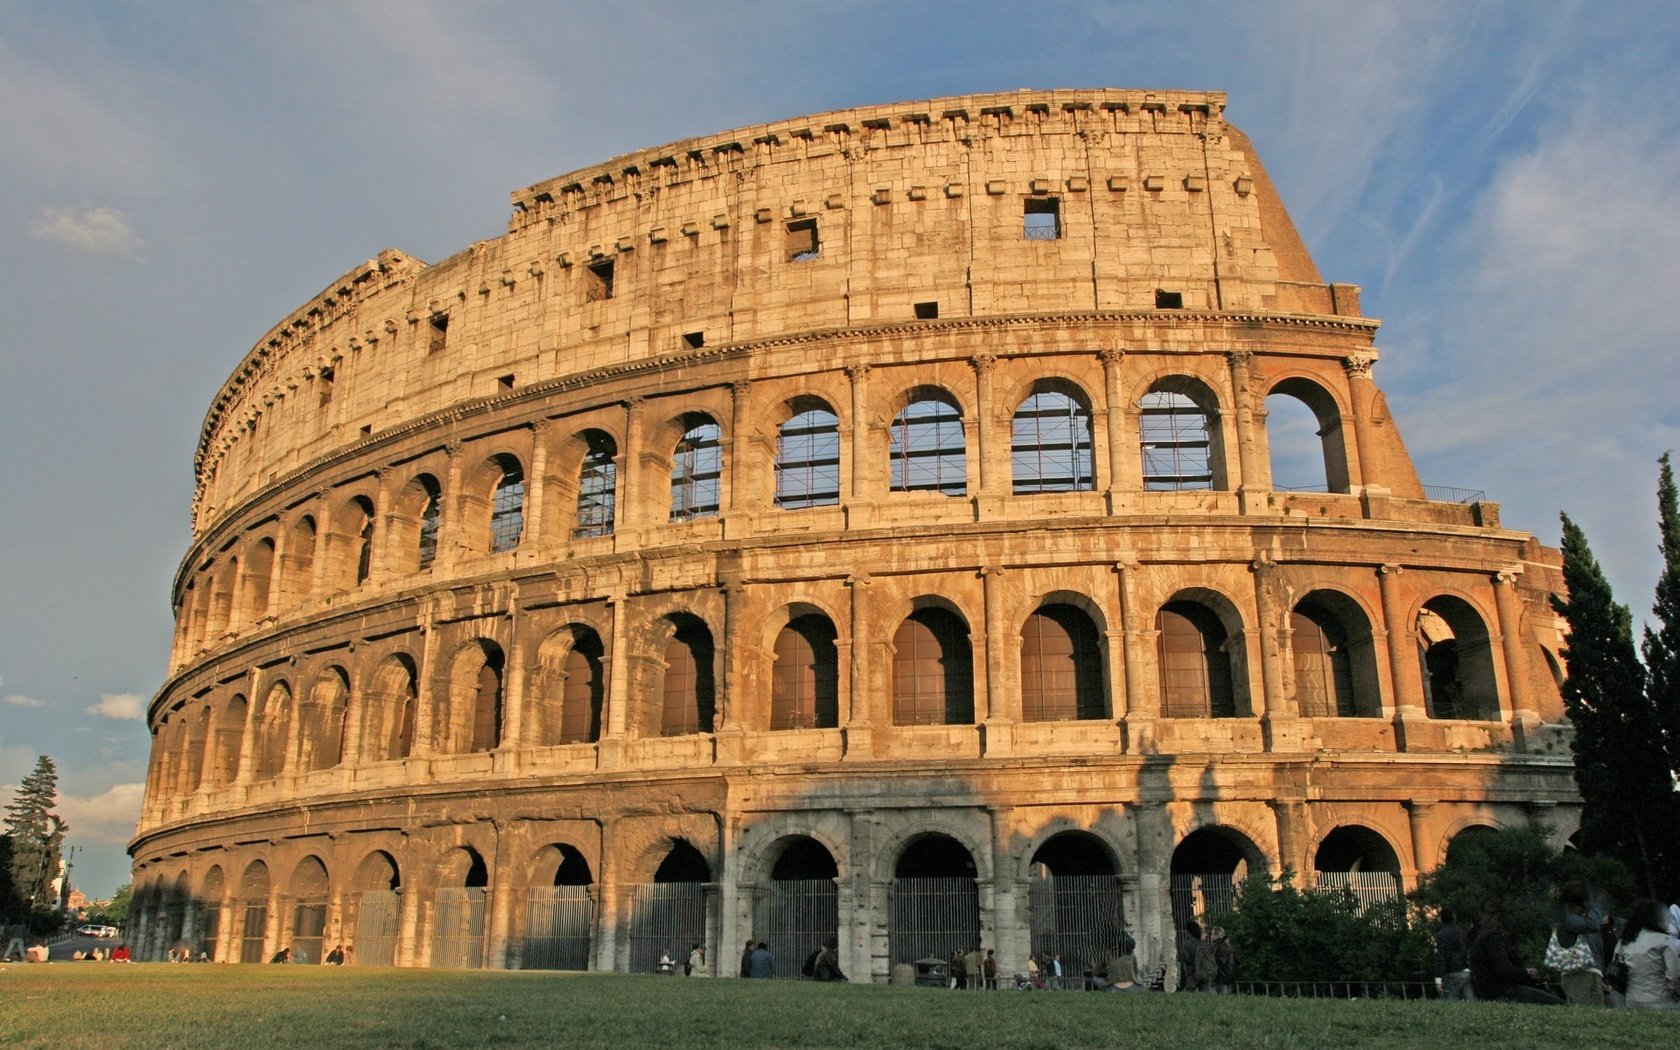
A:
336	957
1206	963
1600	960
823	964
973	970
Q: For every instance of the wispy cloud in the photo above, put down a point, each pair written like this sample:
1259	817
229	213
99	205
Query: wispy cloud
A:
109	816
19	700
120	706
98	231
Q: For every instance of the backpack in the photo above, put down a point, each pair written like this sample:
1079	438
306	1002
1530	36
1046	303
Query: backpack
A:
1204	967
810	967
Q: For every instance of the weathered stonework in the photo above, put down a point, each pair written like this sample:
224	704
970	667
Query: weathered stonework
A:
383	641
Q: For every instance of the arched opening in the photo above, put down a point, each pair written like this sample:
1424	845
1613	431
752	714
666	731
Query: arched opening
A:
1360	860
687	689
1078	911
353	529
198	739
597	486
221	606
1334	657
475	700
259	569
1050	449
1457	660
1470	836
378	903
210	895
273	727
309	891
178	903
388	722
804	682
808	457
1179	436
1304	437
416	517
1207	865
507	505
584	690
799	908
697	469
298	568
1061	666
458	920
1197	660
927	452
559	911
668	916
935	904
321	736
253	903
230	736
933	670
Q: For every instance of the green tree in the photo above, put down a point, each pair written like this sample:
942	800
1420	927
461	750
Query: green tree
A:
1661	647
1280	933
37	836
1621	768
116	912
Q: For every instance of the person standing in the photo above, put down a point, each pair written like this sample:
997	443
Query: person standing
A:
1225	960
827	967
991	970
1056	972
761	963
746	957
1452	959
696	961
1189	946
975	964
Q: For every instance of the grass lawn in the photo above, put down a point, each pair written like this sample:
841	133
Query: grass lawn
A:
72	1005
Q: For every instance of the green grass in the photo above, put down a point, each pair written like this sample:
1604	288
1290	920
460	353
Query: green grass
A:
107	1007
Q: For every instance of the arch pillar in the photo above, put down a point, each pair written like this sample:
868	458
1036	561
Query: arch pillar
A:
1402	655
1255	483
532	535
610	750
993	479
855	720
1292	836
860	501
1142	704
1525	717
997	706
1361	393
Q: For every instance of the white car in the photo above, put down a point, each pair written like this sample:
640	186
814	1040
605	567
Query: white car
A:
96	930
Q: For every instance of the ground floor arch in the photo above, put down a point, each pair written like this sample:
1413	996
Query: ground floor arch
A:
935	907
377	903
1207	866
797	907
1078	913
559	921
459	908
672	915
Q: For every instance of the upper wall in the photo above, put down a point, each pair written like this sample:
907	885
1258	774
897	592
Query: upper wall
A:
1143	202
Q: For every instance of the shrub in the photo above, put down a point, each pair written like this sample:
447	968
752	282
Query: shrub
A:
1280	933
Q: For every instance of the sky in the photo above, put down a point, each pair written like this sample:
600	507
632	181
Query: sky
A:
1502	179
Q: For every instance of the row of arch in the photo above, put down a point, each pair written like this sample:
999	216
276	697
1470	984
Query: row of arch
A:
675	672
452	512
1080	901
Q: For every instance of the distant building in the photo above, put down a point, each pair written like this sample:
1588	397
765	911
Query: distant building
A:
867	525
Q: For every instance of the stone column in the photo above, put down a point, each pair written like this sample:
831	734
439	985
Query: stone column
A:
1361	394
500	892
729	722
1125	469
513	690
997	707
452	538
383	557
1423	856
860	501
1143	702
409	932
1154	930
1524	715
859	713
863	946
248	735
424	744
1010	936
228	922
617	714
1280	719
1402	654
994	481
1292	833
632	516
735	506
1254	483
536	491
323	545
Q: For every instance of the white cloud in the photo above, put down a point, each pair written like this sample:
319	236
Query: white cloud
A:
99	231
19	700
109	816
120	706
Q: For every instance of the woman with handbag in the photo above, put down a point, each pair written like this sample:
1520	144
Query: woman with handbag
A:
1573	951
1647	952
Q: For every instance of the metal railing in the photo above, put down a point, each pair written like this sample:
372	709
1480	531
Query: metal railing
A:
1337	989
1448	494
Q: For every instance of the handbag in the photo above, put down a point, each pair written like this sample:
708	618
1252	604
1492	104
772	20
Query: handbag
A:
1573	959
1616	974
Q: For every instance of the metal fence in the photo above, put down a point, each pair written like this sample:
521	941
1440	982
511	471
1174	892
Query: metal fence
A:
1078	917
309	924
378	918
1370	887
458	927
795	916
932	918
251	943
559	922
666	918
209	929
1337	989
1195	897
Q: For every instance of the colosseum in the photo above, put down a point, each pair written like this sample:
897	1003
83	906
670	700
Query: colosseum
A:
869	525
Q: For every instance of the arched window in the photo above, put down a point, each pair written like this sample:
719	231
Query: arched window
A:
1304	438
1327	684
259	568
808	460
1061	666
474	721
507	506
361	511
1051	451
597	486
804	684
696	467
431	516
1177	439
583	691
927	453
322	729
688	695
1457	658
1195	668
933	670
487	704
273	726
230	737
388	718
300	559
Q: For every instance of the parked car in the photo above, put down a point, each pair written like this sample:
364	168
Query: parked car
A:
92	929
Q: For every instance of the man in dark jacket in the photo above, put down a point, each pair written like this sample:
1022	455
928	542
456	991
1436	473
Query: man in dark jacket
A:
1494	970
1452	959
828	963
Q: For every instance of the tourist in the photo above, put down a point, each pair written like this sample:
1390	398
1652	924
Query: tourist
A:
336	956
284	955
1653	968
761	963
974	963
828	963
1225	959
1495	972
1578	933
1452	959
667	965
1055	969
1189	946
1034	977
746	957
991	970
122	954
696	961
959	970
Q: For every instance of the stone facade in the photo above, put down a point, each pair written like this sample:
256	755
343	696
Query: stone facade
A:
877	496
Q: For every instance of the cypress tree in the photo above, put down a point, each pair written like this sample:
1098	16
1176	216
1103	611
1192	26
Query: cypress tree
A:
36	834
1662	646
1620	766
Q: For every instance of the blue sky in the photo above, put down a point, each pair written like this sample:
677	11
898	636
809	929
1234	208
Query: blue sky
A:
1503	179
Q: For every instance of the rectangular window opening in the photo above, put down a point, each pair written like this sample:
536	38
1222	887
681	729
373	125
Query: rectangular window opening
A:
1165	300
367	430
694	340
927	311
504	382
599	281
1041	220
325	380
440	333
802	242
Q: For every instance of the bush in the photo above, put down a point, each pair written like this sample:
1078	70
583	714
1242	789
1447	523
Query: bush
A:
1280	933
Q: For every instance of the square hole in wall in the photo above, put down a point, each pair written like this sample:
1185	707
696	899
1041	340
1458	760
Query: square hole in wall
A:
927	311
694	340
439	333
1165	300
504	382
367	430
324	383
1041	219
598	281
802	242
